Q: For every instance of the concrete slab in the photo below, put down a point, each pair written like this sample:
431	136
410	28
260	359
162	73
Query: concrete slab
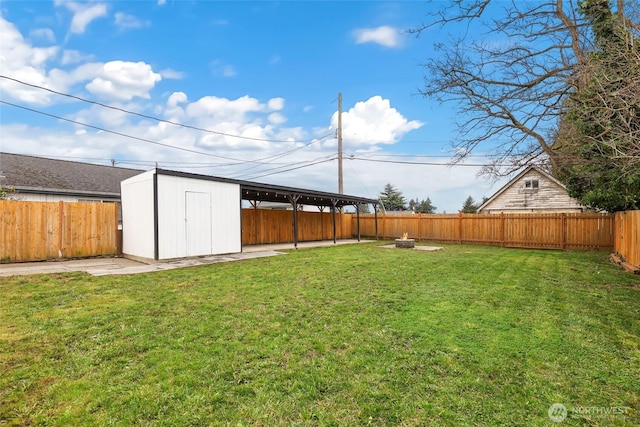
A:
117	266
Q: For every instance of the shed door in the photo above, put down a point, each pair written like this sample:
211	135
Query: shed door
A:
198	223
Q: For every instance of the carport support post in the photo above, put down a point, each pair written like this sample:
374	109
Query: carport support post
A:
375	213
334	202
293	198
358	219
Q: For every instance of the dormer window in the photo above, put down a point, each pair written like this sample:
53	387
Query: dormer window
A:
531	184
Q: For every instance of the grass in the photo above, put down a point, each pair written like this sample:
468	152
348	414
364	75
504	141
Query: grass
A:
346	335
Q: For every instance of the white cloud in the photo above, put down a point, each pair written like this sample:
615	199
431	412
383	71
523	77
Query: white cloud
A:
384	35
219	68
162	2
229	71
73	57
176	98
44	34
129	22
124	80
168	73
22	61
275	104
373	122
223	110
83	14
277	118
63	80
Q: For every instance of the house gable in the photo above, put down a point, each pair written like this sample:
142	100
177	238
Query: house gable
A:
533	190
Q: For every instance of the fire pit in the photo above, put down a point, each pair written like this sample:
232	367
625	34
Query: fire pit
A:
405	242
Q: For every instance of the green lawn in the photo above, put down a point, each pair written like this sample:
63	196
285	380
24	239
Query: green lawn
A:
346	335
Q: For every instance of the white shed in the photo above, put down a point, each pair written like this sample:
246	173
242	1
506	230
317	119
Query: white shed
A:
167	215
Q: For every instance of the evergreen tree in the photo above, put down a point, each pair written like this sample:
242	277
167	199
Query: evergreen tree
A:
363	208
425	206
392	199
469	206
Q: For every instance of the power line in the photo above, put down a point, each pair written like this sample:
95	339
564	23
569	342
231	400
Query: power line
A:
124	135
423	163
277	156
238	161
423	155
243	174
294	168
147	116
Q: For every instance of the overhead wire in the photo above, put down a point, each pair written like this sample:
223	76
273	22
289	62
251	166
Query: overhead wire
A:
145	115
256	162
124	135
294	168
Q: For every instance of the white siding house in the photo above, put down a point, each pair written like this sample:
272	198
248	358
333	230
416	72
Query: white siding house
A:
167	215
532	190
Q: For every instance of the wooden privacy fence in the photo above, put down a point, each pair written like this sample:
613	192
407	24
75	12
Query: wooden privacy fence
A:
34	231
627	236
264	226
553	231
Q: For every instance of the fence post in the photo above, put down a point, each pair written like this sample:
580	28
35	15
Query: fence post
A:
118	233
460	228
60	228
563	230
502	229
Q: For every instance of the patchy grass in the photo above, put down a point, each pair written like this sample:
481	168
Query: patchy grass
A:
346	335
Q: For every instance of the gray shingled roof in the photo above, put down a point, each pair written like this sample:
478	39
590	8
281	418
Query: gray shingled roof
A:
63	176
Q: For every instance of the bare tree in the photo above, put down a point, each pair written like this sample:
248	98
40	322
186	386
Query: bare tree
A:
512	81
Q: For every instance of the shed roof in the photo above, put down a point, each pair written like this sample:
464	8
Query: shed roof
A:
39	174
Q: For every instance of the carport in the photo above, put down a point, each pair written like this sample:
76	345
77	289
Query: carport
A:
172	214
257	192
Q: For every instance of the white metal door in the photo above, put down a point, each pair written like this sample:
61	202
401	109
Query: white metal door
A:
198	223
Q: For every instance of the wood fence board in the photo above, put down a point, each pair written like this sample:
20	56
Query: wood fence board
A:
547	231
40	230
35	231
266	226
627	236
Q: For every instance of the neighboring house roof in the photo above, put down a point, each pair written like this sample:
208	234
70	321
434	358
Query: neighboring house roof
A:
570	203
31	174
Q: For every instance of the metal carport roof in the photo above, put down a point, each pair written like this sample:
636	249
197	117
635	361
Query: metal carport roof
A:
255	191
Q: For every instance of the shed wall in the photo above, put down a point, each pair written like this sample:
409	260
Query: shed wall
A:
224	211
137	216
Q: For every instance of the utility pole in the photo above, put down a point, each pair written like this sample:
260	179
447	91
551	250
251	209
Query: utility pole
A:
340	183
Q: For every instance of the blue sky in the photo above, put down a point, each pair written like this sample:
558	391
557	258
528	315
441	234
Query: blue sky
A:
261	77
